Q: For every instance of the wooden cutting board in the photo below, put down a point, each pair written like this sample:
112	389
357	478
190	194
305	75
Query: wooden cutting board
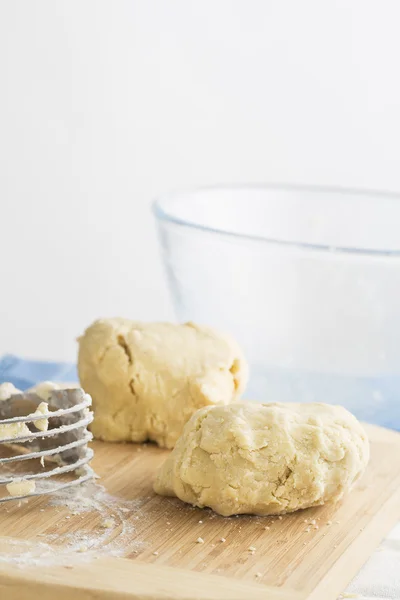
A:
163	559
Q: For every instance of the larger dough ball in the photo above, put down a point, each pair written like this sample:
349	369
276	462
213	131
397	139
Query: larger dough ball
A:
147	379
265	459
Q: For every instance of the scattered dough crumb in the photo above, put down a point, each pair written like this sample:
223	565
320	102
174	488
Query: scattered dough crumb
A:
200	521
223	540
200	540
329	522
252	548
21	487
108	523
313	522
258	574
280	518
155	553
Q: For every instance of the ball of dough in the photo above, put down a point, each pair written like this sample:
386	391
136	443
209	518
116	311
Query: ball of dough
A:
147	379
265	459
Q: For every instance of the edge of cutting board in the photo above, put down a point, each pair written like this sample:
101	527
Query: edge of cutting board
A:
344	570
123	579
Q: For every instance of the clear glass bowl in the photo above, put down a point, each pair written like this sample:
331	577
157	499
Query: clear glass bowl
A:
307	280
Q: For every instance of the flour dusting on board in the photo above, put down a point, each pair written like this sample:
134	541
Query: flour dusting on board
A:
114	535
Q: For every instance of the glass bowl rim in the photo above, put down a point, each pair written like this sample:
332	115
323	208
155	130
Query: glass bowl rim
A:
162	214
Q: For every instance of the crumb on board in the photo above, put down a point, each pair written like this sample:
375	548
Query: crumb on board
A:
258	575
266	527
200	521
280	518
107	523
155	553
223	540
313	522
329	522
252	548
200	540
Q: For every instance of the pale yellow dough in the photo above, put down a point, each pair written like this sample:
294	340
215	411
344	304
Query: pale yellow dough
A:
41	424
147	379
44	389
21	487
7	390
13	430
265	459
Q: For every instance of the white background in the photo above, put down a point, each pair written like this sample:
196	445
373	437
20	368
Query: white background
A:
105	104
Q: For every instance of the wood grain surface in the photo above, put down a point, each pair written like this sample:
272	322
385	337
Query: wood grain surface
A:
163	560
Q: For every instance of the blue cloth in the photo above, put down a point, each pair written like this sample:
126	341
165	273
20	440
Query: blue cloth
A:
26	373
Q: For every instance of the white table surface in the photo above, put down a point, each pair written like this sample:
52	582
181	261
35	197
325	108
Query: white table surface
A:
380	576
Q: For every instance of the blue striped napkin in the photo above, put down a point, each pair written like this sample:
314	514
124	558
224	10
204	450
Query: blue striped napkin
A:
25	373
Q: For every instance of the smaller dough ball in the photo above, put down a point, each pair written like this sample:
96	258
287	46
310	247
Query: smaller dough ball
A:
147	379
265	459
